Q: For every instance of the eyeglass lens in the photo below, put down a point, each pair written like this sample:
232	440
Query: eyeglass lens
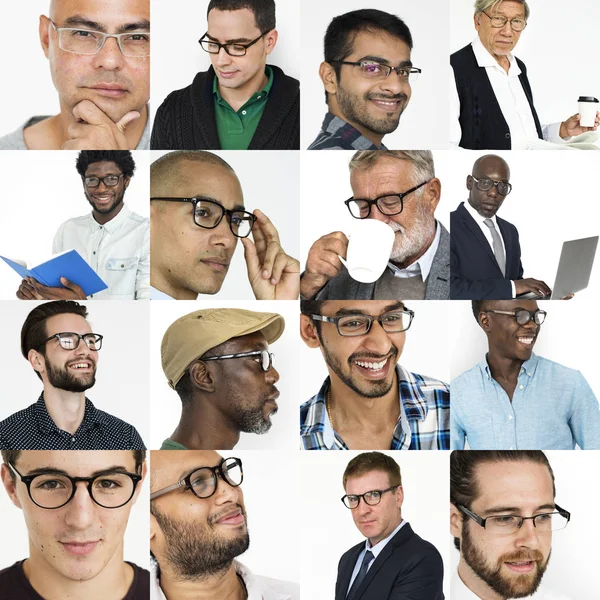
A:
374	69
204	480
86	41
70	341
266	361
392	322
208	214
524	316
214	48
511	523
387	205
485	184
108	181
370	498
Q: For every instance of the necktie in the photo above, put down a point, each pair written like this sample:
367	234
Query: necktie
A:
498	248
364	567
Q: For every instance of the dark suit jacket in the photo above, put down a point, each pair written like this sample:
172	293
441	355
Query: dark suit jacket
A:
408	568
475	274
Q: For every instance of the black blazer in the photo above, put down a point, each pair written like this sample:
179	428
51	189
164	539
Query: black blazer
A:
474	272
408	568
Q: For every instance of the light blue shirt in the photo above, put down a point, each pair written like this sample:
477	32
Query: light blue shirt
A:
553	408
376	550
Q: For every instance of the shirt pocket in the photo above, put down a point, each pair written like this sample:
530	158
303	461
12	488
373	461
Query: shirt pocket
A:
121	274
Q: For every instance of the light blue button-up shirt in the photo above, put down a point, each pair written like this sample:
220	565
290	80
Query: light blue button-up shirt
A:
553	408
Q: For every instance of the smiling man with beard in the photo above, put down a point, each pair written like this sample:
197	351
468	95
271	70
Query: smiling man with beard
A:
198	527
400	189
515	399
502	515
58	342
112	239
368	400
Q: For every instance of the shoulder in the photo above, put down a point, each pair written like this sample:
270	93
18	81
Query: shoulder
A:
310	414
176	97
13	140
285	80
464	379
14	425
74	222
506	223
140	586
430	385
284	590
553	369
420	551
118	429
138	220
461	54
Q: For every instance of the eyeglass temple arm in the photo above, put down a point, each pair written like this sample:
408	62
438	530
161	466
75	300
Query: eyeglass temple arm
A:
169	488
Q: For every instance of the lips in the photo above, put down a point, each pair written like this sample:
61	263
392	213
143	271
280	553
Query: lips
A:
521	567
372	368
234	517
80	548
83	366
216	264
227	74
110	90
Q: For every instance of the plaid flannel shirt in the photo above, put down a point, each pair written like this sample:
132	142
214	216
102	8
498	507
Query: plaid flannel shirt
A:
423	424
336	134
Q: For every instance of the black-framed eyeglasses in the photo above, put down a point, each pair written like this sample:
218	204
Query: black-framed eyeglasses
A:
522	316
389	204
394	321
107	180
485	184
69	340
544	522
374	70
265	360
88	41
371	498
499	21
236	49
53	489
208	214
203	481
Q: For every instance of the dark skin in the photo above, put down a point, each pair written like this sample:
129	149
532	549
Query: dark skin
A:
487	203
510	344
219	388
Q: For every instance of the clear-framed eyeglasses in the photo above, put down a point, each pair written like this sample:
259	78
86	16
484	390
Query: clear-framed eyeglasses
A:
203	481
263	357
88	41
238	49
394	321
371	498
107	180
52	489
485	184
376	70
389	204
522	316
69	340
499	21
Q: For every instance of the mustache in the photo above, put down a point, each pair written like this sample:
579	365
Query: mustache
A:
393	352
522	556
225	511
375	96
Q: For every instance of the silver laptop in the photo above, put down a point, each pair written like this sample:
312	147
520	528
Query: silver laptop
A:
574	269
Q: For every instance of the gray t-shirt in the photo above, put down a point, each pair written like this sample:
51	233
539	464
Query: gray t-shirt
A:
16	139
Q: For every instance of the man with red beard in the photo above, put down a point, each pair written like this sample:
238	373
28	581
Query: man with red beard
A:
502	515
58	342
398	188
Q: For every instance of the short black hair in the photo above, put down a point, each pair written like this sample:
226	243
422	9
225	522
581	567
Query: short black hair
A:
264	10
122	158
478	306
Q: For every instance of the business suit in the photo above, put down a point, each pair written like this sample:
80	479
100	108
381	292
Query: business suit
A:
408	568
474	271
343	287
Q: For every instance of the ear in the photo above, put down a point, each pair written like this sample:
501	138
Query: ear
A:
484	321
456	521
308	332
126	181
433	191
10	484
399	496
202	376
328	77
155	533
271	39
470	182
477	20
44	33
36	360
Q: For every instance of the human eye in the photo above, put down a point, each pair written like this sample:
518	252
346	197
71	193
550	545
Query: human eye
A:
544	518
371	68
373	495
404	73
67	342
106	484
141	38
392	317
505	520
353	323
83	33
49	484
238	48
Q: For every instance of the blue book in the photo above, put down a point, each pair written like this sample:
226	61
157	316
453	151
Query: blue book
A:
68	264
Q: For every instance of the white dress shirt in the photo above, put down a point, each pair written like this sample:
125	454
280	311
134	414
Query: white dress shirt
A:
156	294
119	252
511	98
421	266
479	219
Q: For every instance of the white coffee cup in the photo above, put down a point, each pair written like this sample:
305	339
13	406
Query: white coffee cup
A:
370	244
588	105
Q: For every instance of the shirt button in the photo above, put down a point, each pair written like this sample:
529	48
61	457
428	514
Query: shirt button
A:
72	439
122	266
510	417
258	98
522	370
94	252
520	387
507	136
243	112
511	448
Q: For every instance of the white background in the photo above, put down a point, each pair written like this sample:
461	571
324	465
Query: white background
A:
328	530
270	181
12	525
573	568
177	55
122	387
40	191
424	122
166	405
559	48
426	350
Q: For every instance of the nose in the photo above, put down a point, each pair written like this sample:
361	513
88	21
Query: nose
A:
377	340
272	375
393	84
79	512
222	58
222	235
110	56
378	215
507	29
527	536
226	492
493	191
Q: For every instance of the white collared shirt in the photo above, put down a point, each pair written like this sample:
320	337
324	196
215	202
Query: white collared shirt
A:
511	98
156	294
119	252
421	266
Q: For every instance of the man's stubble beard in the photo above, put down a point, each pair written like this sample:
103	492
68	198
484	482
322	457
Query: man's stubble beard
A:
247	417
61	379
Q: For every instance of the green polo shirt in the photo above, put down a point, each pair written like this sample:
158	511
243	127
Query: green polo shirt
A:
169	444
236	129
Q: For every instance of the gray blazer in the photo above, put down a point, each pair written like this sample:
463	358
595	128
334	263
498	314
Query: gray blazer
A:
343	287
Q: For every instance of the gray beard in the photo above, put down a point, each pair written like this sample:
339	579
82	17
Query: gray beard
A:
411	242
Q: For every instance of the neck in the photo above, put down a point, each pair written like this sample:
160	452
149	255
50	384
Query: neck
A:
104	218
415	257
162	283
206	429
237	97
503	61
225	585
66	409
334	109
112	583
503	367
481	589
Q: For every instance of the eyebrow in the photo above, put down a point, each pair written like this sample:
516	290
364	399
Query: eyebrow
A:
515	509
357	311
381	59
232	41
81	21
55	471
211	199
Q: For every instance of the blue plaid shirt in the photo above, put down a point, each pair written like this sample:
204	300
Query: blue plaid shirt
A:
336	134
423	424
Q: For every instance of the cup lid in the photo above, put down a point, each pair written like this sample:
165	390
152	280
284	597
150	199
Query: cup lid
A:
587	99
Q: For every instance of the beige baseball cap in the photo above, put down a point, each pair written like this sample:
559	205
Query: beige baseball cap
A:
192	335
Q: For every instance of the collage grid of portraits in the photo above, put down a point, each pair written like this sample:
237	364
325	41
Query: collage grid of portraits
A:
98	89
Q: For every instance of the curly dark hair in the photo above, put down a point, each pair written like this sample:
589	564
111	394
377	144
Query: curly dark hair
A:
122	158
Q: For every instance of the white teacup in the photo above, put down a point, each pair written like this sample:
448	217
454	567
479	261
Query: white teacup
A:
588	105
369	247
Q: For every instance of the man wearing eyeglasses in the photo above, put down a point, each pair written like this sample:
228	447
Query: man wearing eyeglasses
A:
515	399
197	213
400	189
198	528
368	400
76	507
218	362
366	74
394	562
502	516
58	342
240	102
99	56
491	99
112	239
485	249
